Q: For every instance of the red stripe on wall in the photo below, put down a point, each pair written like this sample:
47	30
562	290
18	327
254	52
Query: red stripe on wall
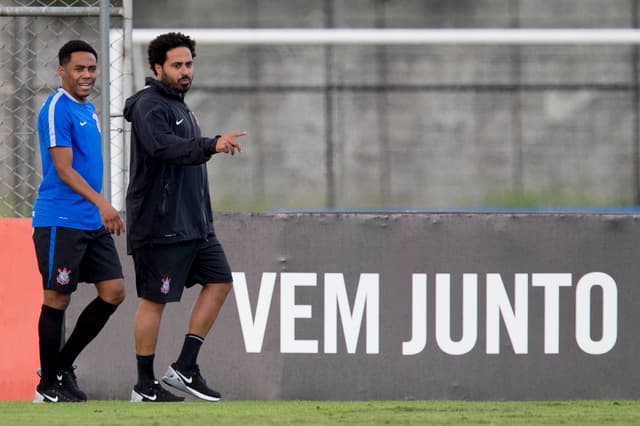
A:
20	302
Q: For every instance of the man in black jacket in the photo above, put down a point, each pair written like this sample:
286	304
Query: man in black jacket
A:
171	235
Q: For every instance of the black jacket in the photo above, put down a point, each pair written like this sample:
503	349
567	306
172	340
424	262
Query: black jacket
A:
168	195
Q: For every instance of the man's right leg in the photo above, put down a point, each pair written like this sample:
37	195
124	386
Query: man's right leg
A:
146	331
59	252
50	329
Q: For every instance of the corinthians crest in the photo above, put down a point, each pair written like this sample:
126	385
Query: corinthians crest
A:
164	288
64	276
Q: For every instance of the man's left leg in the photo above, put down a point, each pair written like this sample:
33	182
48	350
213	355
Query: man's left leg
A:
92	319
90	322
184	374
206	308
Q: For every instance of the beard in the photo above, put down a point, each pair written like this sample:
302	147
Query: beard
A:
181	85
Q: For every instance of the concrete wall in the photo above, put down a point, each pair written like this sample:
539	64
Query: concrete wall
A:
375	126
422	127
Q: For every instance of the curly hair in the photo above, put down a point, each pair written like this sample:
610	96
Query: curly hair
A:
64	54
159	46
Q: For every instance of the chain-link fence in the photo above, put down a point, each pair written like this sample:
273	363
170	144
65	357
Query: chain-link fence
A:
31	32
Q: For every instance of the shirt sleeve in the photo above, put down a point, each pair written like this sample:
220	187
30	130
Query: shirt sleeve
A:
57	125
151	121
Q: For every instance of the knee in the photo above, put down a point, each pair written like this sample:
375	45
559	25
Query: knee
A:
117	297
57	300
223	289
218	291
151	306
114	293
149	309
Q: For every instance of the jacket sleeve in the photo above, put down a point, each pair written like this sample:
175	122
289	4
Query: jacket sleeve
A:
153	130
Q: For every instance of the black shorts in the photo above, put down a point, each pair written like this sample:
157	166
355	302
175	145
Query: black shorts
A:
164	270
68	256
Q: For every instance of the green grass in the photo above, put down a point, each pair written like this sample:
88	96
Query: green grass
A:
323	413
573	197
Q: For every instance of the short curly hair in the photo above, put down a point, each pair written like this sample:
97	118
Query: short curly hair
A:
159	46
64	54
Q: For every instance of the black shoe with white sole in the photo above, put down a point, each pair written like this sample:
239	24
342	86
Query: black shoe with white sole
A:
153	393
190	381
67	379
53	392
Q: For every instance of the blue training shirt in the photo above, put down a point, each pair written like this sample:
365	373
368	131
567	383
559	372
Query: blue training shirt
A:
65	122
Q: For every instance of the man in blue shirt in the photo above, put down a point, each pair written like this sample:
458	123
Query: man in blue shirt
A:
72	224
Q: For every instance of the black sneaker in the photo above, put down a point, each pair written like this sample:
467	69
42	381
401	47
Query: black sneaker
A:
67	379
153	393
53	393
190	381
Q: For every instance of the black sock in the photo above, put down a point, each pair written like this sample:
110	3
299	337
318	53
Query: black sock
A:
50	339
189	353
145	369
92	319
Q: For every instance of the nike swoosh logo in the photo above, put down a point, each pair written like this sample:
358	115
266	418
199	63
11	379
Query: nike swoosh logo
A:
50	398
186	379
179	122
151	398
83	123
